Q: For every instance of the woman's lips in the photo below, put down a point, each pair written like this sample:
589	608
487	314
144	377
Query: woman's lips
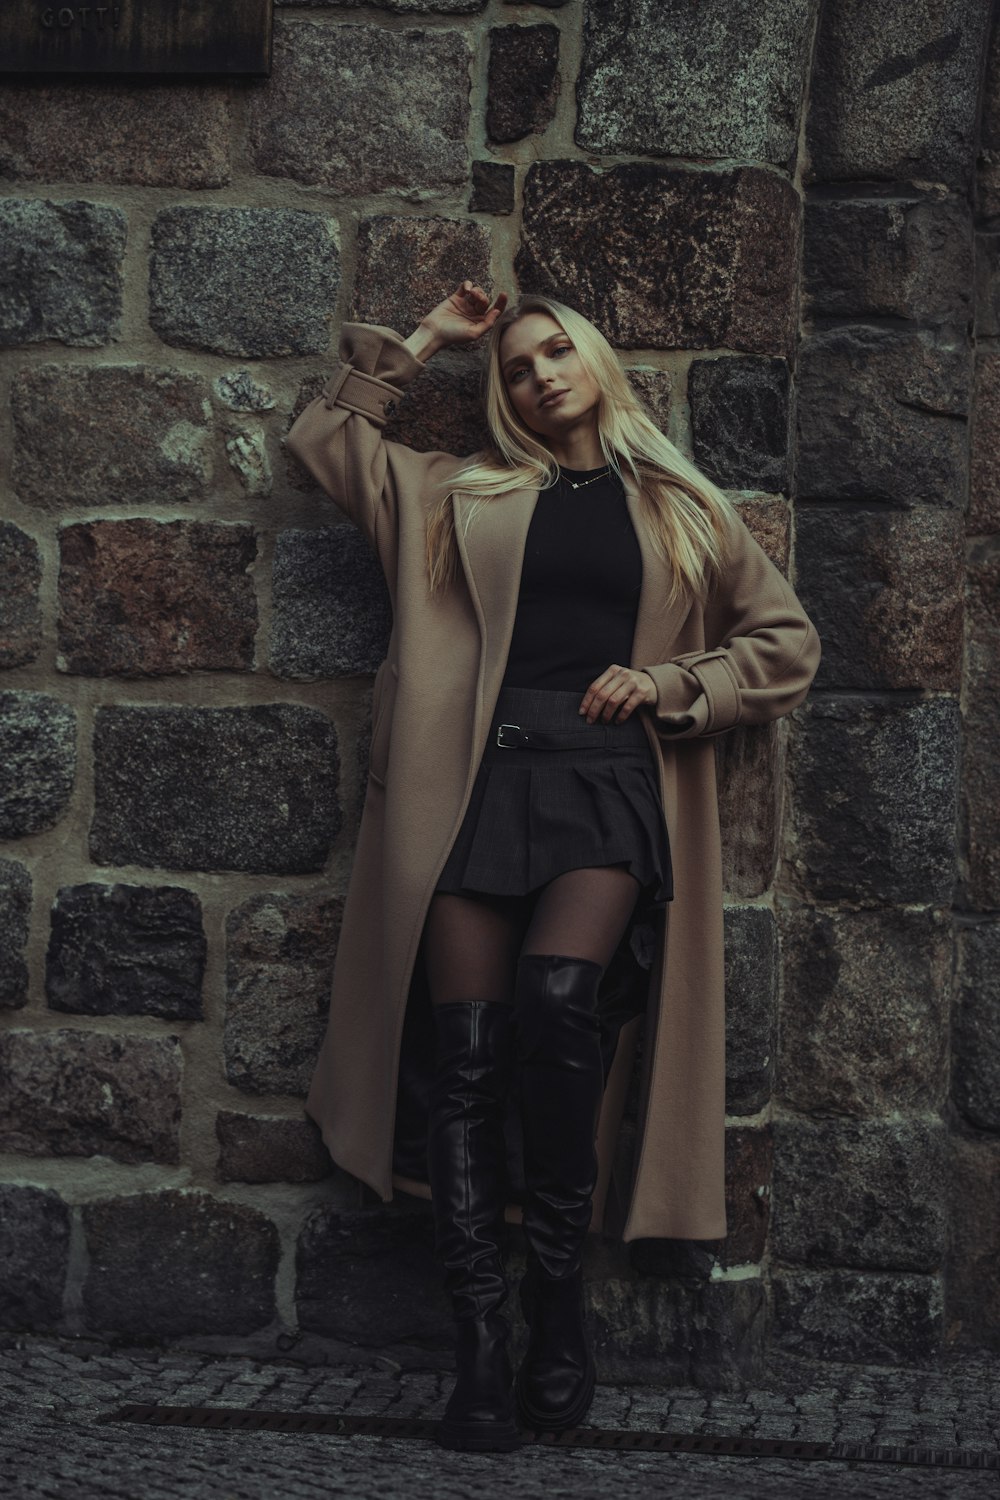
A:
551	400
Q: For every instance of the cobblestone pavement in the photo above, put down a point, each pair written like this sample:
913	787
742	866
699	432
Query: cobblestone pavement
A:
52	1390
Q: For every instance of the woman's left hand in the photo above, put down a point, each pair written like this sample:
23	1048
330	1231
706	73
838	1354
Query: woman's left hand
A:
621	688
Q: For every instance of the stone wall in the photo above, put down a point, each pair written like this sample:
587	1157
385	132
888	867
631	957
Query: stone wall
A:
787	218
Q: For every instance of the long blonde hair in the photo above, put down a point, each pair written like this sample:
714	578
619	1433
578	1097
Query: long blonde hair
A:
686	513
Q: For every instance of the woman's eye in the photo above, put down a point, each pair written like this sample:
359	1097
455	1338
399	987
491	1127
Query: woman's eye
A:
561	349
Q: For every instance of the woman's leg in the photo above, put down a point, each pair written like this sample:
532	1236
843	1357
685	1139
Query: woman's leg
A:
471	946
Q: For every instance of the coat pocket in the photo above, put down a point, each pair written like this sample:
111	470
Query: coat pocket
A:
383	697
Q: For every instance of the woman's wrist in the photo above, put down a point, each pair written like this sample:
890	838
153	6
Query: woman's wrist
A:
423	342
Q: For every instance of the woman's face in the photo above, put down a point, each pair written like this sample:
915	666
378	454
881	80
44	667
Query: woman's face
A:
546	382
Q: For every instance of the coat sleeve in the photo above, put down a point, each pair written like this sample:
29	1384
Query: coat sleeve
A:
338	435
762	654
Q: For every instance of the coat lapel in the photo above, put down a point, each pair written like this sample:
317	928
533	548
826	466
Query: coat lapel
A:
492	551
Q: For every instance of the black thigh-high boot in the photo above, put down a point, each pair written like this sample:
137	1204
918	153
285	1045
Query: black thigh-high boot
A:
466	1163
561	1066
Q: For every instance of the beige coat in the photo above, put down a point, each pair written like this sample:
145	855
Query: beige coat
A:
748	657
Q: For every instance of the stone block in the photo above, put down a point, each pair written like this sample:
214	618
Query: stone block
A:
15	918
37	761
371	1277
143	597
126	950
208	267
655	389
723	79
492	188
864	1011
876	416
364	109
279	968
139	133
34	1257
884	588
257	1148
975	1030
899	257
740	421
708	1334
152	444
894	91
868	1194
185	788
885	1318
60	272
407	264
331	612
984	444
981	725
522	86
20	611
751	944
84	1093
875	787
972	1290
164	1264
699	257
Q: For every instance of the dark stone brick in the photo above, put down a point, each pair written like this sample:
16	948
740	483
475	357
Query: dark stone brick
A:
492	188
142	596
751	1009
331	609
403	7
749	1164
37	762
60	272
886	1318
407	264
215	788
875	785
975	1036
34	1257
655	389
894	91
208	266
147	133
972	1289
740	421
361	109
20	612
689	259
984	462
671	1332
864	1015
865	1193
279	967
151	446
15	917
884	588
906	257
123	950
522	81
253	1148
371	1277
981	724
897	396
444	409
178	1262
84	1093
703	81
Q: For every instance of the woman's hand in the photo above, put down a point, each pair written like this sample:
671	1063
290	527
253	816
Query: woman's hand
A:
464	316
622	688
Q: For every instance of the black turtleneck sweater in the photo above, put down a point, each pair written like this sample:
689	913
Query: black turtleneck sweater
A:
580	584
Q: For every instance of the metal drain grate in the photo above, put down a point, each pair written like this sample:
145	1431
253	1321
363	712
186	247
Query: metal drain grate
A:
233	1419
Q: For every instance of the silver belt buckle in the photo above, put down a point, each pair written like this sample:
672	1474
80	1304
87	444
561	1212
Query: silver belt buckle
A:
500	730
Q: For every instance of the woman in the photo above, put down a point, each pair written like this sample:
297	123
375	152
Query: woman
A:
562	837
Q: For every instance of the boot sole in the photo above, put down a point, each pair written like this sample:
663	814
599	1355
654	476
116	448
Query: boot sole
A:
478	1437
571	1416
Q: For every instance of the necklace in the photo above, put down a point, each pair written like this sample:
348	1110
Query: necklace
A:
579	484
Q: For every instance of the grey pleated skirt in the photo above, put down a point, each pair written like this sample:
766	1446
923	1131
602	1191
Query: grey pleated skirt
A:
534	813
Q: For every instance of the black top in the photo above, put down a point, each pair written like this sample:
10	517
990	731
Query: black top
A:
580	584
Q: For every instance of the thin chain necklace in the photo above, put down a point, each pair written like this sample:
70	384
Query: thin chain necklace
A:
579	484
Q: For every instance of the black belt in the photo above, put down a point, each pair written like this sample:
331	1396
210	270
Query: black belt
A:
513	737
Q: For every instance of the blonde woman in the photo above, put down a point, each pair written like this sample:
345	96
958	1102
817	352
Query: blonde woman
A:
562	841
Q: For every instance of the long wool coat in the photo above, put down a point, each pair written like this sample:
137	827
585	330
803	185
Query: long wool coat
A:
748	656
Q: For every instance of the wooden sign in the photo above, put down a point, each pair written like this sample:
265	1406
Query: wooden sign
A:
160	37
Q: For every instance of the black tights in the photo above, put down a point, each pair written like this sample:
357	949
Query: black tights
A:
472	943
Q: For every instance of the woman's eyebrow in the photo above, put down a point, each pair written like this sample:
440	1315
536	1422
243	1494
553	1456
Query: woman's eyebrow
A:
508	362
